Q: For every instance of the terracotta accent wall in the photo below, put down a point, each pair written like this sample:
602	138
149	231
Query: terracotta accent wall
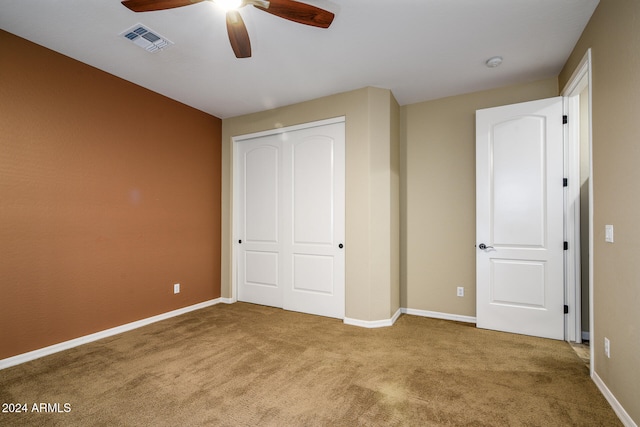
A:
613	35
109	194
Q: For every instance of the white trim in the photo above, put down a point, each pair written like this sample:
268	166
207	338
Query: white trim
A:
66	345
571	142
583	68
235	203
617	407
591	210
574	84
373	323
578	81
275	131
438	315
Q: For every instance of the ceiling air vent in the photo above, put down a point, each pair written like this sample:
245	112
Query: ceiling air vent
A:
145	38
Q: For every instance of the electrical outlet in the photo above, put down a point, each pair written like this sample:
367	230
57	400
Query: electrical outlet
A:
460	291
176	288
607	347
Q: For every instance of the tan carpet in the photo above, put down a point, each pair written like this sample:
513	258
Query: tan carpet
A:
248	365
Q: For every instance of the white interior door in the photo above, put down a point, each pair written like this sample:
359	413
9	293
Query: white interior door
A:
291	219
259	237
313	221
520	218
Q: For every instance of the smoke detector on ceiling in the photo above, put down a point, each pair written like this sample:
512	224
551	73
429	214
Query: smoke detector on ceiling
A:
147	39
494	62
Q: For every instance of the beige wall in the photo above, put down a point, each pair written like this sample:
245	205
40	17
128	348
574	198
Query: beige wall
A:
371	192
384	187
109	194
438	191
396	202
613	34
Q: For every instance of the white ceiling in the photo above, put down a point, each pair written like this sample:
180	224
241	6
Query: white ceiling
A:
419	49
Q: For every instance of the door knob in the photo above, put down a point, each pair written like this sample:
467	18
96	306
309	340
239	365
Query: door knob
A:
483	246
341	246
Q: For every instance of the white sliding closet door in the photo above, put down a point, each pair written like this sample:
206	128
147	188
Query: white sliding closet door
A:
291	219
260	240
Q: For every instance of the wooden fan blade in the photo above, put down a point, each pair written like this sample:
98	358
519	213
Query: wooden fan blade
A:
238	35
151	5
301	13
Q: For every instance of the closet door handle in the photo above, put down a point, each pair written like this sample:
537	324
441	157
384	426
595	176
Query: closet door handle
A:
341	246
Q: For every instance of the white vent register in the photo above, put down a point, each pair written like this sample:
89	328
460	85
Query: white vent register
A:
147	39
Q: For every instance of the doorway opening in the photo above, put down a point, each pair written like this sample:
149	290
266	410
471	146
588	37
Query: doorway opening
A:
579	206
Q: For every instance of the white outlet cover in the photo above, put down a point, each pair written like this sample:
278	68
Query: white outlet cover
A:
608	233
176	288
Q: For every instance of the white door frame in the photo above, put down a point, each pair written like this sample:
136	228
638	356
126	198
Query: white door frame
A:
236	192
581	77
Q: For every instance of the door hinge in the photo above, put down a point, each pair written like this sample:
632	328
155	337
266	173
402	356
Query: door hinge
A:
565	119
565	182
566	309
566	246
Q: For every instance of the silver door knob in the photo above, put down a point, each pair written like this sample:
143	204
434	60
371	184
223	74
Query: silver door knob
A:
483	246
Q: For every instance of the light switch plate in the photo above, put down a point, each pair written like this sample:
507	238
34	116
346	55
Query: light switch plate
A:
608	233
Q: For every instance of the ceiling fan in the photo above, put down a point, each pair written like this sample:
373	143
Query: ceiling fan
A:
288	9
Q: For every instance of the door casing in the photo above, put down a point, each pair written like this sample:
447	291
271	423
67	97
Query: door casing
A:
581	77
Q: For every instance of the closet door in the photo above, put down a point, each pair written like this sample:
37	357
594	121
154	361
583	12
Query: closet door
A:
291	219
313	221
260	241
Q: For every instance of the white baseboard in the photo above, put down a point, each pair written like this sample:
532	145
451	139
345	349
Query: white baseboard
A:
373	323
617	407
227	300
26	357
438	315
